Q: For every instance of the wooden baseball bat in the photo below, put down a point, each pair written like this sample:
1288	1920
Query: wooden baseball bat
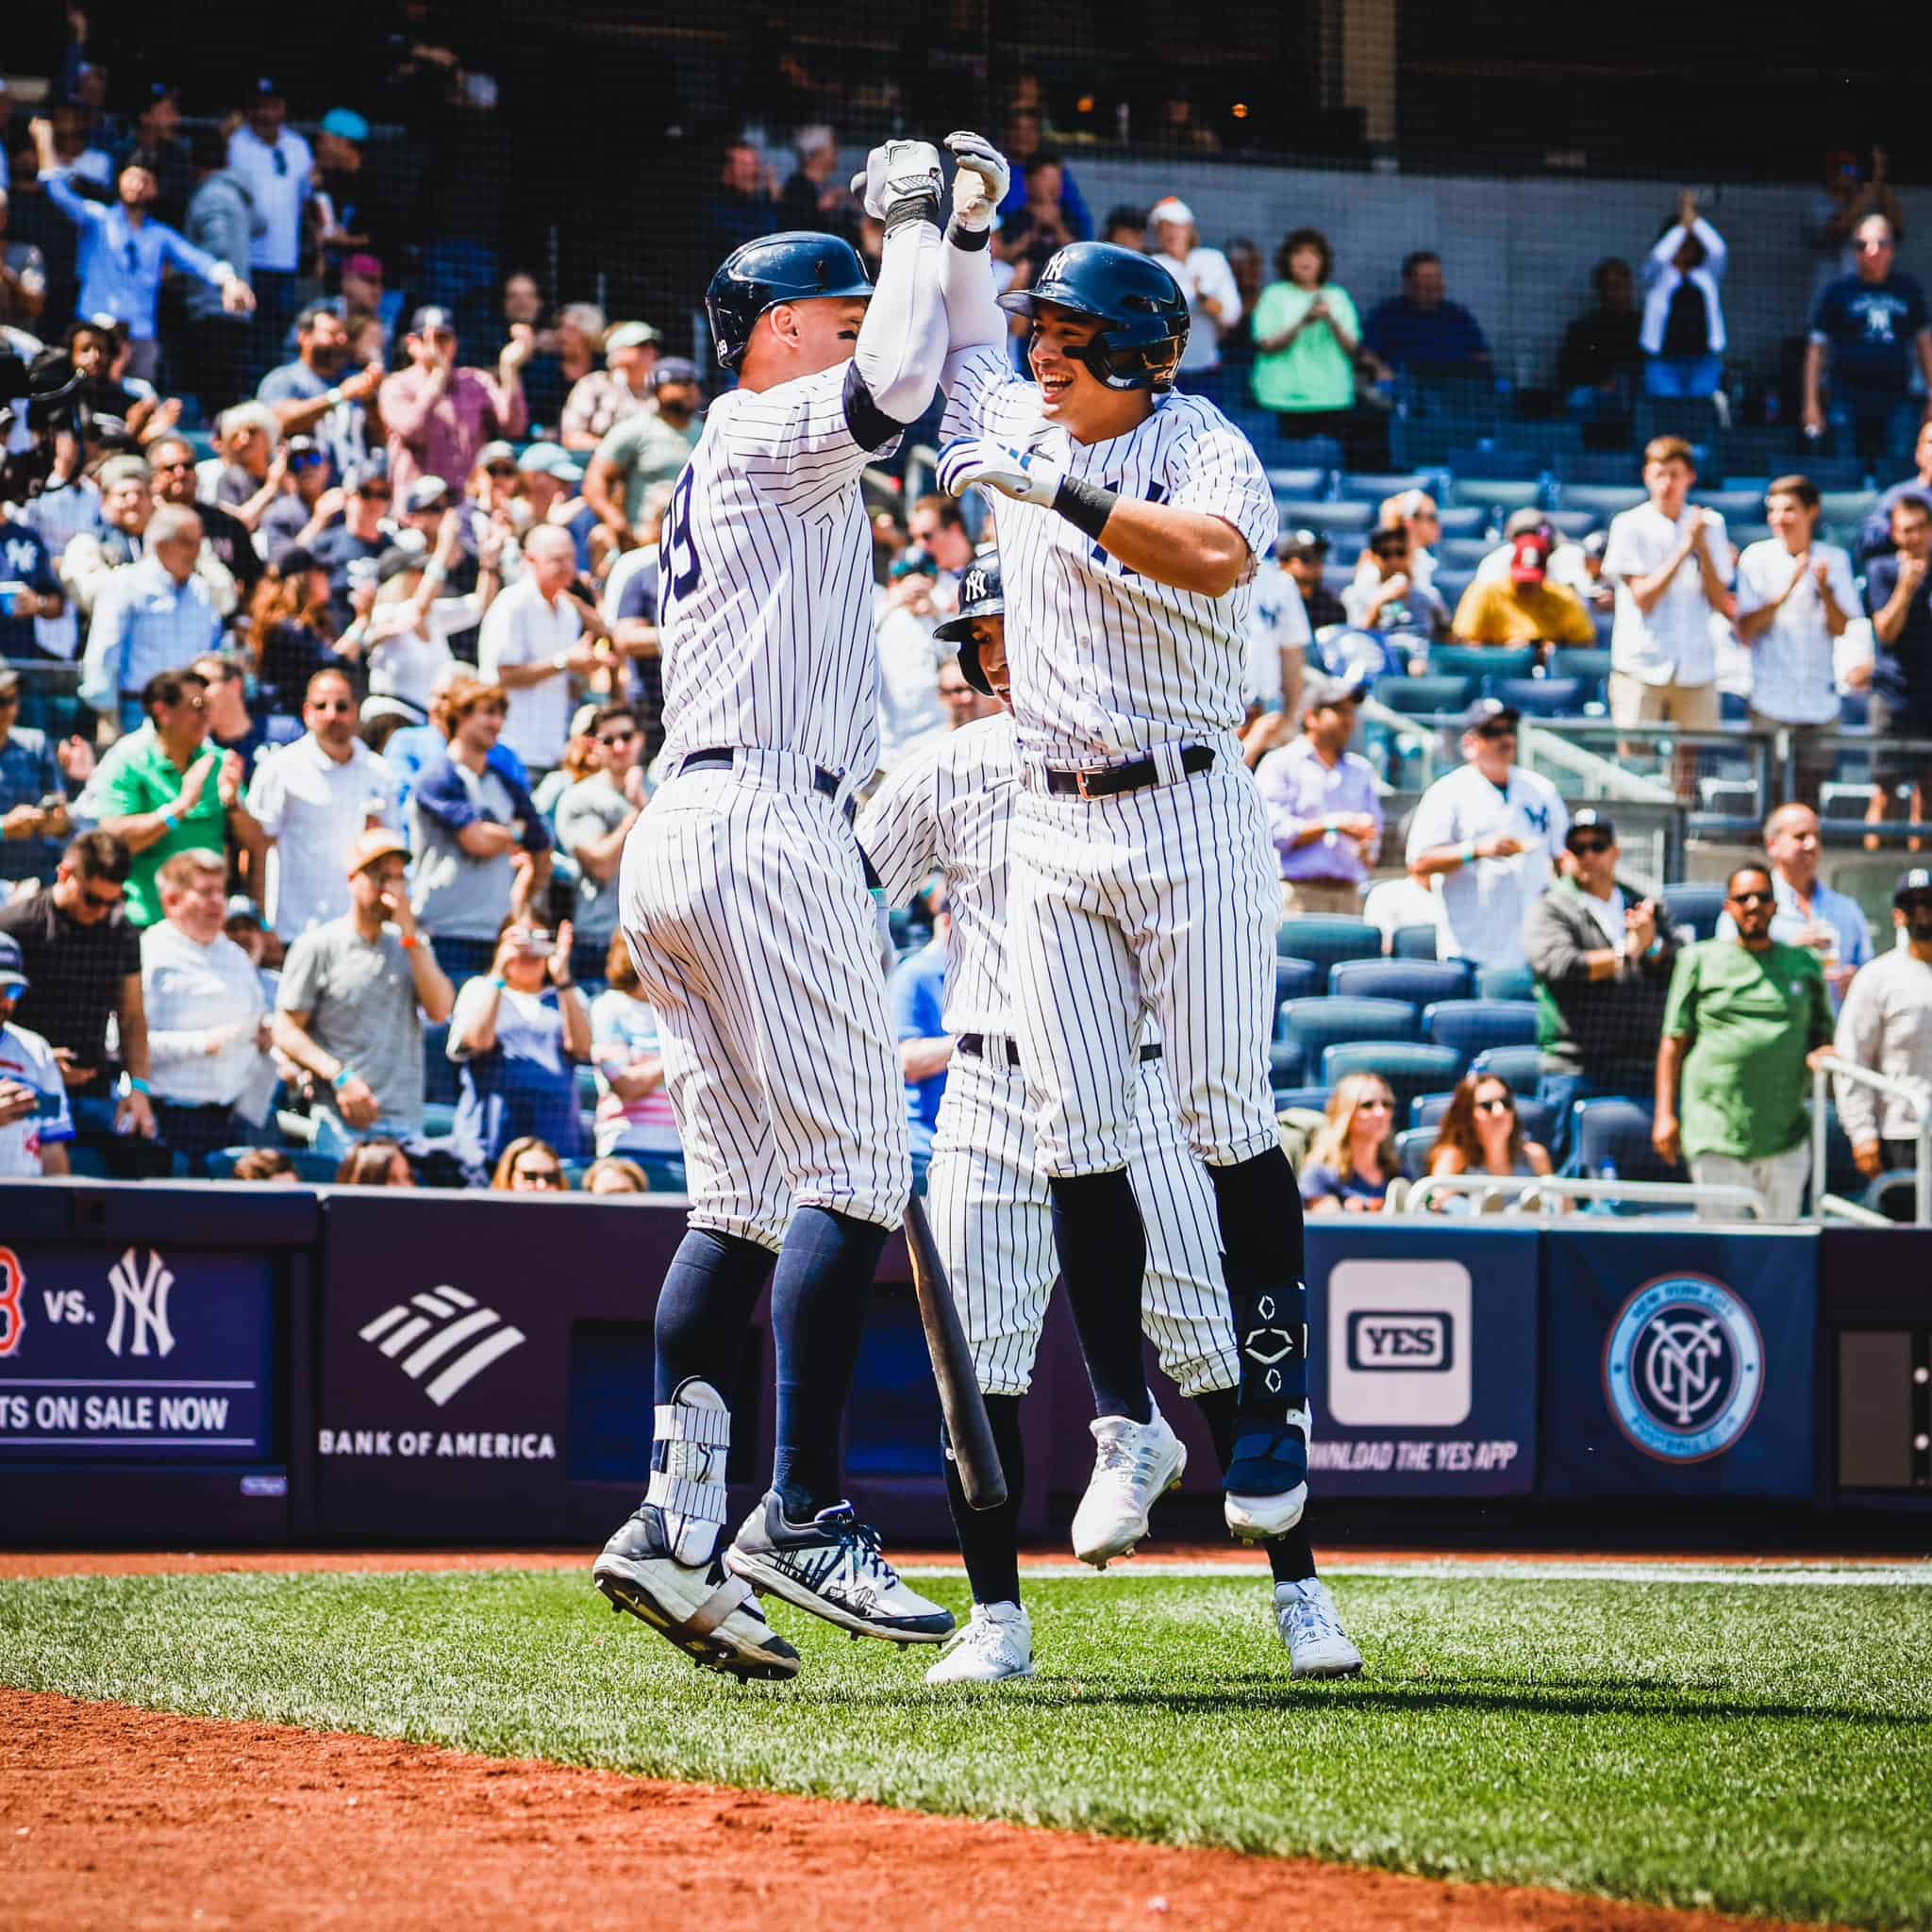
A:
967	1428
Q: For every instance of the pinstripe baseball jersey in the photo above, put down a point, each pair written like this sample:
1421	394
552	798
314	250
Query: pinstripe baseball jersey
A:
1107	664
947	809
766	571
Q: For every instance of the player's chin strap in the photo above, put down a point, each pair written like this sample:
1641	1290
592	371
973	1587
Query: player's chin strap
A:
692	1438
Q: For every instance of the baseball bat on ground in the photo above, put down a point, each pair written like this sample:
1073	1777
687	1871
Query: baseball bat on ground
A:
967	1427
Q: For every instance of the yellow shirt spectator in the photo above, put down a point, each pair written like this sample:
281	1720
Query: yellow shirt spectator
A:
1524	608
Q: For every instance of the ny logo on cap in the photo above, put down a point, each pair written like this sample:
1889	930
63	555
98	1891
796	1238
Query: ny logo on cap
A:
975	585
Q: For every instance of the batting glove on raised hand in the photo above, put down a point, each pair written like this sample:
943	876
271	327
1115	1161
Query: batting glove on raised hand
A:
1026	475
982	180
900	177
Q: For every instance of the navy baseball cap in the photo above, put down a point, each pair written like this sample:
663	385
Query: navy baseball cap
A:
1302	544
675	369
1587	819
1910	884
432	321
12	966
1488	712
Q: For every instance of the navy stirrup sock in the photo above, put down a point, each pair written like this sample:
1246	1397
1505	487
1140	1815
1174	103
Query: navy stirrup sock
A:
1103	1253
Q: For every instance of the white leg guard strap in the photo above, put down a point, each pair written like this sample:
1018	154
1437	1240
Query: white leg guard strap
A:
692	1440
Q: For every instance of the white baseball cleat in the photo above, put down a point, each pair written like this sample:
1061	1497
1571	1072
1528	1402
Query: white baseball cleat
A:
1135	1464
1311	1627
996	1645
1266	1483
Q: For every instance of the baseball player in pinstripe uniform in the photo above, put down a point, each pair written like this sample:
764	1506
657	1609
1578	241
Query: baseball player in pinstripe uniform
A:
745	905
1130	521
950	807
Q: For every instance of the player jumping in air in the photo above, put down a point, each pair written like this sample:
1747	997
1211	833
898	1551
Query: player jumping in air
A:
950	808
1130	518
745	905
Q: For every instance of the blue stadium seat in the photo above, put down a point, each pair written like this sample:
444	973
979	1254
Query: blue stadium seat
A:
1303	514
1410	1069
1603	500
1315	1099
1306	482
1521	1066
1573	523
1413	1148
1477	1026
315	1168
1284	1067
1424	697
1373	486
1845	507
1426	1109
1326	938
1452	583
1498	494
439	1120
1590	665
1488	663
1413	942
1462	523
1696	906
1542	697
1616	1134
1496	464
1322	454
1310	1027
1420	981
1506	983
1296	979
439	1080
665	1171
1732	505
1464	553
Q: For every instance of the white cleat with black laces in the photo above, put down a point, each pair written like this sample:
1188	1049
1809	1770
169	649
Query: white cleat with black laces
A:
1311	1627
1135	1464
833	1567
996	1645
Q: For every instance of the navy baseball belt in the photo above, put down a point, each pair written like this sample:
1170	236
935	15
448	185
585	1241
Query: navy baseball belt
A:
822	780
973	1047
1109	781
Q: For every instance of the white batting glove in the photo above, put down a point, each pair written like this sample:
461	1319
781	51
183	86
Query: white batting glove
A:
1024	476
896	173
982	179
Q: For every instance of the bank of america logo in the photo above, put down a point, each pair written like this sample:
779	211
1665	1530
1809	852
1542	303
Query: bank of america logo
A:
440	1321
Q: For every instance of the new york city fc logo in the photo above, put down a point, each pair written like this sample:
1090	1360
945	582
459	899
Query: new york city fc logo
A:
1683	1367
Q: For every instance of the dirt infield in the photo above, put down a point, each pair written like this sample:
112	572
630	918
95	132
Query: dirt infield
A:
116	1817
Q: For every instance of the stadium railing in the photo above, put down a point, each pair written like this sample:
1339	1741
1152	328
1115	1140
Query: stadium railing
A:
1917	1095
1552	1193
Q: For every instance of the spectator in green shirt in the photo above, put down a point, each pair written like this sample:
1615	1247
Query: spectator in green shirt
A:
165	789
650	445
1306	339
1747	1019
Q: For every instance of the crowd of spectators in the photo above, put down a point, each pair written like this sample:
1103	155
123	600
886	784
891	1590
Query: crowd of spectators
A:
356	572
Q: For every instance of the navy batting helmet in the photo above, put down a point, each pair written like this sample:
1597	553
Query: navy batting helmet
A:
758	275
1142	305
980	596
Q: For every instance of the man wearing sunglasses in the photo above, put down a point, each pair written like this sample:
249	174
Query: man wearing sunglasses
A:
82	961
1484	840
1886	1024
172	461
1747	1019
593	818
313	800
1602	959
362	533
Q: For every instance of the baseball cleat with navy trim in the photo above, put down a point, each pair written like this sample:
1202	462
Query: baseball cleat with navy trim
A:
712	1617
833	1567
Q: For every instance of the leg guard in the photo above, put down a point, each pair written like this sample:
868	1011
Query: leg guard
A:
692	1438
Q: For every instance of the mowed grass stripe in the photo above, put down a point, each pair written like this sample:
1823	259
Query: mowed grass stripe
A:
1759	1750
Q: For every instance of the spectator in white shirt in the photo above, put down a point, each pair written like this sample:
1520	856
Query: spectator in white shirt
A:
1277	642
1416	512
1387	596
36	1122
277	167
1214	301
1683	332
1795	596
314	799
1487	837
910	712
207	1025
406	636
1886	1024
533	643
1671	562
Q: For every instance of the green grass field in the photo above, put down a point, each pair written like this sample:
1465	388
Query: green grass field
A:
1758	1748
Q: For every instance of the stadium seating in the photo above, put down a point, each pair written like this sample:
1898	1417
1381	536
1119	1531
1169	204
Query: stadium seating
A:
1612	1139
440	1081
1420	982
1521	1066
1847	508
1479	1027
1695	907
1424	697
1498	495
1413	1148
1573	523
1309	1026
1588	663
1326	938
1302	514
1489	663
1305	482
1373	486
1410	1069
1603	500
1542	697
665	1171
1309	1099
1524	466
1296	979
1506	983
1451	585
1464	553
1413	942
